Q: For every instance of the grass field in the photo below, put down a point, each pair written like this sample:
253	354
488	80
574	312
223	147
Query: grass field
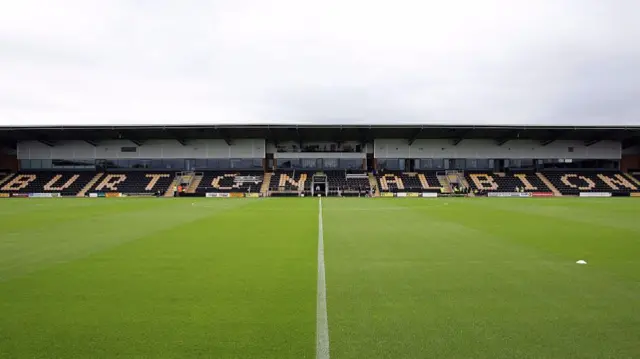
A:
237	278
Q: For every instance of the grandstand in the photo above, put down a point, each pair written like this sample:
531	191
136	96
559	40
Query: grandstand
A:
326	160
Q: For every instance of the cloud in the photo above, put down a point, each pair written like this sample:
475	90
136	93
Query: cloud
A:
120	62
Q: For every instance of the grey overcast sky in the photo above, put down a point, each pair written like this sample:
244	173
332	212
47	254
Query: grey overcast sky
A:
499	62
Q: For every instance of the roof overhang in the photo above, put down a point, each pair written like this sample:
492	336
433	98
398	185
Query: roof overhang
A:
629	135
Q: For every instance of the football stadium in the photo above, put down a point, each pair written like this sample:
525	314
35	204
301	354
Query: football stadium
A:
343	179
300	241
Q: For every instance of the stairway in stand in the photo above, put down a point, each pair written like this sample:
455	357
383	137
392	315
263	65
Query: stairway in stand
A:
629	176
195	182
266	179
444	181
5	179
89	185
374	185
171	190
462	179
548	183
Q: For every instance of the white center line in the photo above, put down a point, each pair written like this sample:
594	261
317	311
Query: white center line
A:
322	323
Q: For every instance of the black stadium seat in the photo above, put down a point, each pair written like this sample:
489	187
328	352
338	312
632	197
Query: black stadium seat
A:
484	182
63	182
231	181
574	182
391	181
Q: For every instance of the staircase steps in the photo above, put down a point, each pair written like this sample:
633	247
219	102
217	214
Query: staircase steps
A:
548	183
629	176
5	179
374	185
465	183
193	185
444	181
266	180
171	190
89	185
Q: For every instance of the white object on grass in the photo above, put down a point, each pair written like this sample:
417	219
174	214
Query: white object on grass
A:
581	262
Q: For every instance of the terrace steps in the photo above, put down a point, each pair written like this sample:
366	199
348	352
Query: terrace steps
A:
171	190
444	181
195	182
628	175
5	179
264	189
89	185
548	183
374	184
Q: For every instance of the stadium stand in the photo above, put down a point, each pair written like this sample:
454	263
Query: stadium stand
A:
348	183
303	160
291	182
409	182
65	183
228	181
133	182
575	182
485	182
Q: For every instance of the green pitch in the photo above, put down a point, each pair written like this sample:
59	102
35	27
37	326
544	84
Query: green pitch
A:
237	278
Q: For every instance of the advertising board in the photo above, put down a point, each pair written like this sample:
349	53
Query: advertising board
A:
401	194
4	195
217	195
40	195
595	194
542	194
429	195
509	194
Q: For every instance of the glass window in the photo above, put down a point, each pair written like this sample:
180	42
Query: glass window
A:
200	163
173	164
61	164
297	164
137	164
25	164
389	164
350	164
482	164
223	164
332	163
288	163
213	163
309	163
241	163
282	163
46	164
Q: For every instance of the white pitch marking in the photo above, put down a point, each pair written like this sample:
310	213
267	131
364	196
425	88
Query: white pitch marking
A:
322	323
